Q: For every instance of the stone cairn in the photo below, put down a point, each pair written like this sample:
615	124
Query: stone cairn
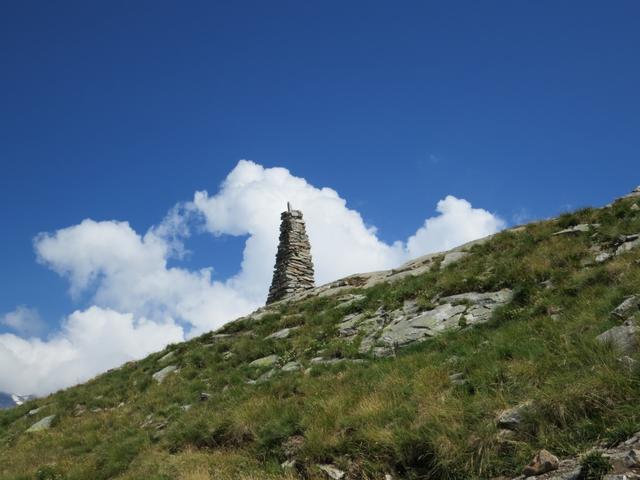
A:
293	272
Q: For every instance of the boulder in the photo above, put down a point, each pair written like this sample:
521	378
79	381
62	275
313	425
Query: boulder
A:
42	424
160	375
167	357
629	243
268	361
543	462
512	418
623	338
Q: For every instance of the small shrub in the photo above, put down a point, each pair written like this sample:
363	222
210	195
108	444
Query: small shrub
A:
594	466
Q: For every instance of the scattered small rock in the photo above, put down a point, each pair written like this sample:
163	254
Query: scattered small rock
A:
43	424
332	471
457	378
543	462
512	418
287	464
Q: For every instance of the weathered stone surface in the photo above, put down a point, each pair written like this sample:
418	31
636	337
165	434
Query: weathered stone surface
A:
264	362
628	307
166	357
543	462
42	424
350	299
583	227
452	257
291	367
284	333
332	472
293	272
624	338
512	418
161	375
455	311
629	243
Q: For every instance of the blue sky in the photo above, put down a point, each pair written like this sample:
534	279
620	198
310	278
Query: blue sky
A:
120	110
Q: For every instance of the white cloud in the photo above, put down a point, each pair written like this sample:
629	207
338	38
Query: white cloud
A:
457	223
89	342
140	304
23	320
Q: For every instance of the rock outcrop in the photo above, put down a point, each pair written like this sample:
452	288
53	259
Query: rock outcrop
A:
293	272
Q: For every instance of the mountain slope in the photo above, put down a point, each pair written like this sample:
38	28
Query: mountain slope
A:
9	400
455	366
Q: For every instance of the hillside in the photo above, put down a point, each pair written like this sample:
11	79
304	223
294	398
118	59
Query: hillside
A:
458	365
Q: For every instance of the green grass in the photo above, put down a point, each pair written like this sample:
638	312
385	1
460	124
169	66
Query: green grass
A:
398	415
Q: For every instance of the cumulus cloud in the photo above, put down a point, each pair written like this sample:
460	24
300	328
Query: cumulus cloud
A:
457	223
88	342
23	320
139	303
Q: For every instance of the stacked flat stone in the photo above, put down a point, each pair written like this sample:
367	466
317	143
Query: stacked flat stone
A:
293	272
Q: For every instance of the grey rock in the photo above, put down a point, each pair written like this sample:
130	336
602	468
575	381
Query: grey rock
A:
227	355
332	472
204	396
291	367
185	408
161	375
284	333
42	424
167	357
35	411
624	338
350	299
349	325
635	207
583	227
628	307
288	464
409	330
457	378
263	362
603	257
452	257
629	243
512	418
454	312
632	459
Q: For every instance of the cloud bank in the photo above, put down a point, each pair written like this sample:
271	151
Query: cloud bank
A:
139	304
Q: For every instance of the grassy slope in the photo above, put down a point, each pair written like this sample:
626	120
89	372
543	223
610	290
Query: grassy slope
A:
400	415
